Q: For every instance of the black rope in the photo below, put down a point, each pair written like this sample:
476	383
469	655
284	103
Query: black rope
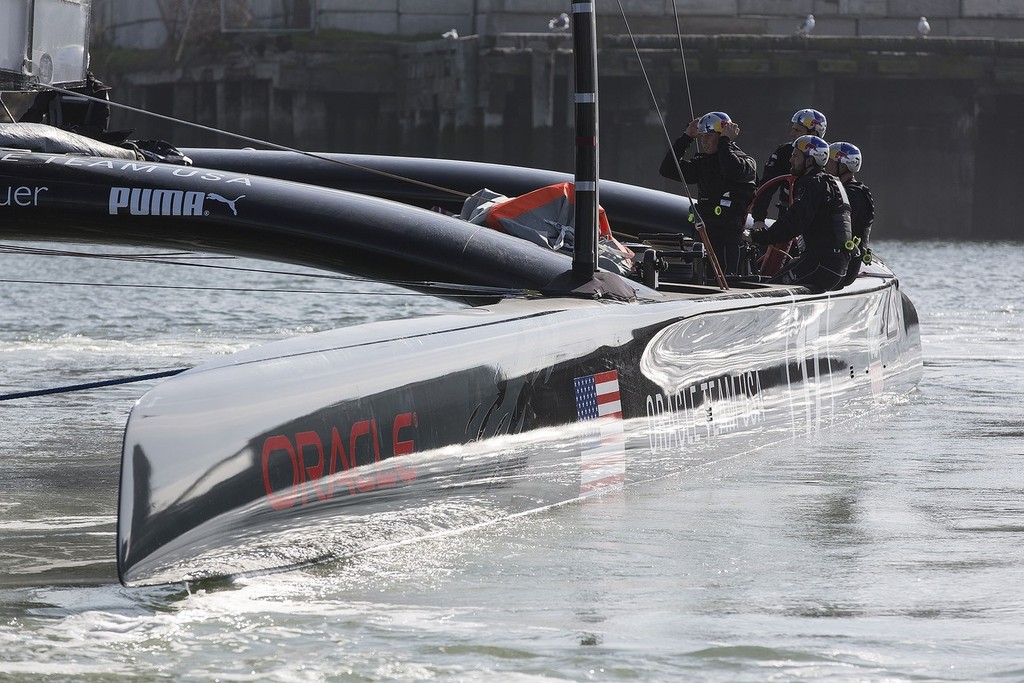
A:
682	55
257	141
23	250
161	259
90	385
467	291
196	288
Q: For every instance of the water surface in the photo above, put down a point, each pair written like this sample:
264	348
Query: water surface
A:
887	549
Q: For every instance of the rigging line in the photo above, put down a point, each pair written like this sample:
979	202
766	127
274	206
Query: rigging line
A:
272	145
661	117
91	385
49	251
265	143
157	258
471	290
7	112
404	293
682	54
699	225
214	266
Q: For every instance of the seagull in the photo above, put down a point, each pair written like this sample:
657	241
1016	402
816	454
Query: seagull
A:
923	27
451	34
806	27
559	23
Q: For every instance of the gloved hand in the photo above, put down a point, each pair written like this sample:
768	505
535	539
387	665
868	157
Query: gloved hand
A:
731	130
747	237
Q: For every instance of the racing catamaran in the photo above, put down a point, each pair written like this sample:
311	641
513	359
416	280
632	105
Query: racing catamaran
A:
567	376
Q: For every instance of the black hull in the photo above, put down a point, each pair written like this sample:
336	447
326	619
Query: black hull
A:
116	201
327	445
427	183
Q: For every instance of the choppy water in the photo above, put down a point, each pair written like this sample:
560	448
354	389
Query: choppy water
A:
888	550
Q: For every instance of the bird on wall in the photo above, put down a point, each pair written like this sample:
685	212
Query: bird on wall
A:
806	27
450	34
923	27
559	23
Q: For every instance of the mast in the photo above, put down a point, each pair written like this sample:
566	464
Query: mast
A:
584	37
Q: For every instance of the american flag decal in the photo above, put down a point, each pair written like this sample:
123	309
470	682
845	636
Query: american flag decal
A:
603	445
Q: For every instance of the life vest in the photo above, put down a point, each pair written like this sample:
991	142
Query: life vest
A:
544	216
546	211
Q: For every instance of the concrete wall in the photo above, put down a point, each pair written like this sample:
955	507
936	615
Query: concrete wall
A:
938	121
149	24
135	25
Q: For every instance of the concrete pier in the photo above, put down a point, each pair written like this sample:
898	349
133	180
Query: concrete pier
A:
938	119
152	23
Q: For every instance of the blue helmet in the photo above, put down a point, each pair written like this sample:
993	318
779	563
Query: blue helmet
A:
812	146
811	119
846	154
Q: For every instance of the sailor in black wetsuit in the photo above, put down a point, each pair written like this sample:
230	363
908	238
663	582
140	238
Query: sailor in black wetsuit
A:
820	212
845	159
725	176
804	122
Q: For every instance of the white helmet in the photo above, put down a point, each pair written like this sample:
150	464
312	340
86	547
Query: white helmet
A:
814	147
846	154
811	119
713	122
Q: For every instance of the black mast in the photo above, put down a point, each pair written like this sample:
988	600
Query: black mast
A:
584	32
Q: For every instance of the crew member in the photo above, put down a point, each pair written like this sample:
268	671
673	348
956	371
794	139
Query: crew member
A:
820	213
725	176
804	122
844	160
